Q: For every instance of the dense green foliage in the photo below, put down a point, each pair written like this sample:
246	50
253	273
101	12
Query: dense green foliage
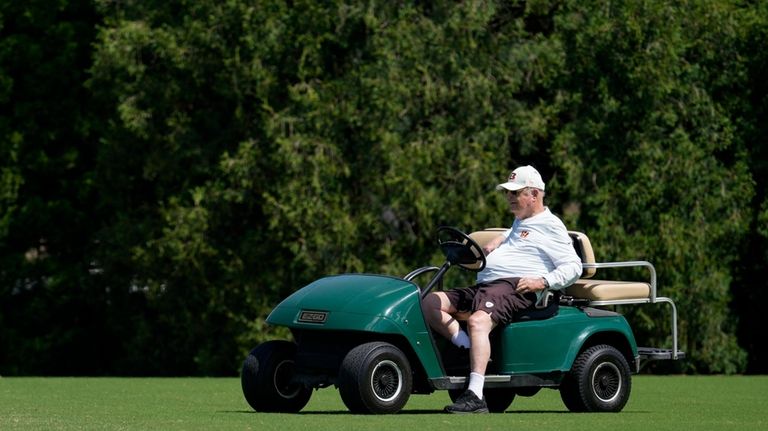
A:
169	170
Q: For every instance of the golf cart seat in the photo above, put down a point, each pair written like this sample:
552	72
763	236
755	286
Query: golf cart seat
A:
607	292
590	290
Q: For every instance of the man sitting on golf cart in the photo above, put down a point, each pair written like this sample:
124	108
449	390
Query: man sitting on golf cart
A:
532	258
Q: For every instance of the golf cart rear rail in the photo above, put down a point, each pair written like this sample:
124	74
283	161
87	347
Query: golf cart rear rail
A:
607	292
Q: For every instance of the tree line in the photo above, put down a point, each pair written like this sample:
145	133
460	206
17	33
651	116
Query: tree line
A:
170	170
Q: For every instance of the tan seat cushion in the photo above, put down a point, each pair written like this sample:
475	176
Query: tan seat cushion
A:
606	290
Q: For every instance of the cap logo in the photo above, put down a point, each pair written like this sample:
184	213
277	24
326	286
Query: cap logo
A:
512	176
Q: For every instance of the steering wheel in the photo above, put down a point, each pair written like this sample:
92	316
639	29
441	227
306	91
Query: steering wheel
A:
460	249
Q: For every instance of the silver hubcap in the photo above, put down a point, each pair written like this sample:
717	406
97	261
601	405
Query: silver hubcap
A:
386	381
607	382
282	380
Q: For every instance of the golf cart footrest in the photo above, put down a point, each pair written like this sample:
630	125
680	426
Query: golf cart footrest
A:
655	354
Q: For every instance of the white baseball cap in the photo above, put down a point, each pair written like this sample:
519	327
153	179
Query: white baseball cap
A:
524	176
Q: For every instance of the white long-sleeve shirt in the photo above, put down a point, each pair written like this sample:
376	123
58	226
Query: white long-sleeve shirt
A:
538	246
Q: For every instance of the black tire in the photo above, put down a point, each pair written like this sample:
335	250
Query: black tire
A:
569	393
599	381
375	378
266	379
497	399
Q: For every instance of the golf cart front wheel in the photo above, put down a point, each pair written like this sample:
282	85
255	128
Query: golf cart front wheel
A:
375	378
267	379
599	381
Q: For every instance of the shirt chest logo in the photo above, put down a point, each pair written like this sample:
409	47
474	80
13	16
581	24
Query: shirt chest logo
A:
524	234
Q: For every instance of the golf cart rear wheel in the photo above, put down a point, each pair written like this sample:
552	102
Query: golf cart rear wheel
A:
375	378
497	399
569	393
599	381
267	379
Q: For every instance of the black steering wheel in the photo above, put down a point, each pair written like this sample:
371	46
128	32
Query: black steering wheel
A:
460	249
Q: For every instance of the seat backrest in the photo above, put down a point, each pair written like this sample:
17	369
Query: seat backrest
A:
584	249
483	237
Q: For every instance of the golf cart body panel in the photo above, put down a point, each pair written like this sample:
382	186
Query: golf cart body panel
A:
362	303
542	346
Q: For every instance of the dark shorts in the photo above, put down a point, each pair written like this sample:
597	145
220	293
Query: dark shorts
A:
497	298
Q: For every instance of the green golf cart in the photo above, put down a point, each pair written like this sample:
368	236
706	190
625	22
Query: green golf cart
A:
366	335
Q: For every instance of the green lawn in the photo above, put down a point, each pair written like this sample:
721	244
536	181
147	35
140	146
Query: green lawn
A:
656	403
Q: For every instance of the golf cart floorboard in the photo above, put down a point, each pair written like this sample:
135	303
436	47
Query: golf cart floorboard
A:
501	381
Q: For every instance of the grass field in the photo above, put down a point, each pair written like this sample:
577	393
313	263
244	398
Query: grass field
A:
656	403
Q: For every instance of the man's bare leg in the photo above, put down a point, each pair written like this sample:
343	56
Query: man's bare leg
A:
438	314
480	326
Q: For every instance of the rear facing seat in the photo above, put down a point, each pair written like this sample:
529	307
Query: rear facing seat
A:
607	292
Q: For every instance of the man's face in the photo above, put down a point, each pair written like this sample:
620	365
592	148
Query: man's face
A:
522	202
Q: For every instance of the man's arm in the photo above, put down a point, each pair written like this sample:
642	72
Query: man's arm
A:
567	263
566	272
494	244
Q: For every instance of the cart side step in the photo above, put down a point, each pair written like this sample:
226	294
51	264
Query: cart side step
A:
501	381
656	354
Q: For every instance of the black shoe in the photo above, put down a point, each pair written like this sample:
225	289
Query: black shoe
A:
467	402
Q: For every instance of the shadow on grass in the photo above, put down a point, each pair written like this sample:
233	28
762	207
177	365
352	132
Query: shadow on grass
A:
329	412
421	412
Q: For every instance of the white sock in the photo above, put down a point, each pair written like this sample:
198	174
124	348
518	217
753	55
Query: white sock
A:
460	339
476	383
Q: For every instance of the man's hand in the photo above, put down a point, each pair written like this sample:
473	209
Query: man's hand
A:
530	284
